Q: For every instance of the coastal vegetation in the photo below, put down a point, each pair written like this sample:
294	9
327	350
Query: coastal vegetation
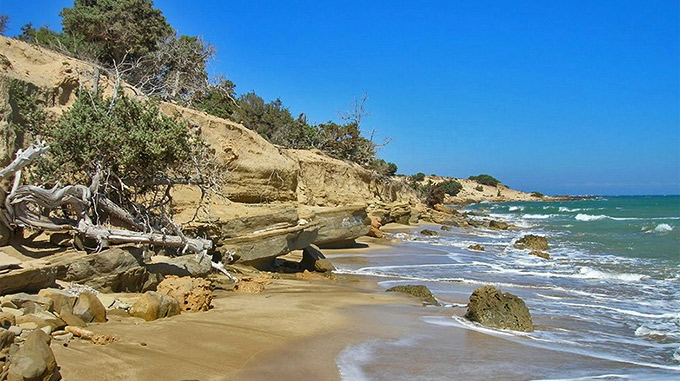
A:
485	180
133	40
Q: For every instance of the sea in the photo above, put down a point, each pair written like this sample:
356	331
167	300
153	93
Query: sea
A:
610	292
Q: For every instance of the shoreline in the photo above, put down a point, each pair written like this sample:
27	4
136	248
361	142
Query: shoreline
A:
316	328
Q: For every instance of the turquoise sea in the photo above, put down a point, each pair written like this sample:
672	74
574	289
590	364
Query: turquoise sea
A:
611	290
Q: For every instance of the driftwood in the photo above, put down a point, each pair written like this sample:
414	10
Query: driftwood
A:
30	206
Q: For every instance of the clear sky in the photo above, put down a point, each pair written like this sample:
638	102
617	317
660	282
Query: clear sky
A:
559	96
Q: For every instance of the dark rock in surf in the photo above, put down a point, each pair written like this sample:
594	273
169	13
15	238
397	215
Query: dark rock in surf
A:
419	291
533	242
541	254
429	233
489	307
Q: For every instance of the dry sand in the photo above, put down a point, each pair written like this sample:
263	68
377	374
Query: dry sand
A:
303	324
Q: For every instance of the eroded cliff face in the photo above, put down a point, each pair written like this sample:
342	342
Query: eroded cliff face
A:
326	181
277	199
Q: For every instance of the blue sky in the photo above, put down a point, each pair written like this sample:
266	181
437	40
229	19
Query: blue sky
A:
559	96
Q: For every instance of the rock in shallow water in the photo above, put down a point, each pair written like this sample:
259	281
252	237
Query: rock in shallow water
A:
489	307
533	242
419	291
541	254
429	233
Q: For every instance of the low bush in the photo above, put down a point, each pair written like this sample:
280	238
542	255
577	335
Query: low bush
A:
451	187
485	180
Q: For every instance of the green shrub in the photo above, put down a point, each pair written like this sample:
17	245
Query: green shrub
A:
485	180
537	194
451	187
128	139
420	176
479	188
435	196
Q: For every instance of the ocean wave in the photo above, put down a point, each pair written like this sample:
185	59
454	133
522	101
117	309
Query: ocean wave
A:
539	216
590	217
663	228
656	334
514	208
597	217
672	315
565	209
588	273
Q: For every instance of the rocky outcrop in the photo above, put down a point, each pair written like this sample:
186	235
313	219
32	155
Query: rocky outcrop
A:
374	229
257	170
113	270
339	226
476	247
533	242
489	307
429	233
259	249
152	305
326	181
192	294
419	291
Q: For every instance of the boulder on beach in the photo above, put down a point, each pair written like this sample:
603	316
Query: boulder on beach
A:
492	308
533	242
429	233
374	230
152	305
33	360
541	254
419	291
446	228
314	260
89	308
476	247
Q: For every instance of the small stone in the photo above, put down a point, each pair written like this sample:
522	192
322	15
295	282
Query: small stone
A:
429	233
63	337
16	330
13	311
47	329
29	325
7	319
446	228
476	247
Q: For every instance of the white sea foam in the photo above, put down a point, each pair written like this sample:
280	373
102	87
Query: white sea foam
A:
644	331
589	217
596	217
351	360
538	216
565	209
663	228
589	273
514	208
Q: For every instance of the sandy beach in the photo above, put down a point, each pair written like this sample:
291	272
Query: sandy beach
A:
321	329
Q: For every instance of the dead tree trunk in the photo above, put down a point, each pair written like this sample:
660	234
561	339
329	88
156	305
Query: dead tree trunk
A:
29	206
